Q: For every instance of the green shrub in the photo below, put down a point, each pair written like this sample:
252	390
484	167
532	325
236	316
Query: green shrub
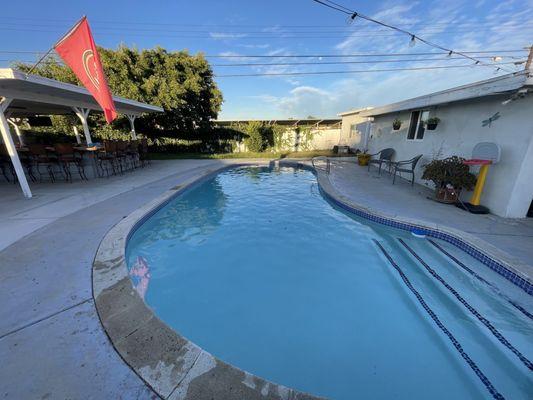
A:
449	171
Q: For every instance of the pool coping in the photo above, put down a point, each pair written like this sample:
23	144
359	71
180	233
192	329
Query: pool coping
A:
171	365
176	368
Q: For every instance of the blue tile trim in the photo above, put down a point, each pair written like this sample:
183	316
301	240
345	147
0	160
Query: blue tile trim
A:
493	264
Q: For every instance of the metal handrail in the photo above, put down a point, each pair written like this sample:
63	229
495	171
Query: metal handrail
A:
328	163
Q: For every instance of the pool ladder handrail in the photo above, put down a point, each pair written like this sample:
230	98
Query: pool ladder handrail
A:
328	163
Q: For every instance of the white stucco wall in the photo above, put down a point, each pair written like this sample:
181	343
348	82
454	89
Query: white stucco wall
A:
354	139
509	187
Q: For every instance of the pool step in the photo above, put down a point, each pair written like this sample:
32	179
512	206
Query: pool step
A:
480	278
469	307
471	363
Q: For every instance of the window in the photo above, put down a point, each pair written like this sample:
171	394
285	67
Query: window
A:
353	130
416	126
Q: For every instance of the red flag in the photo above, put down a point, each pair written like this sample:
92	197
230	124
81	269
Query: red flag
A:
79	52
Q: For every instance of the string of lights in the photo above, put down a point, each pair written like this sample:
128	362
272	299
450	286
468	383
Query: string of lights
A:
352	14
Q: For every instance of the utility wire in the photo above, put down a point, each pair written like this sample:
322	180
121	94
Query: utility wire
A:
520	61
8	20
349	72
494	52
354	14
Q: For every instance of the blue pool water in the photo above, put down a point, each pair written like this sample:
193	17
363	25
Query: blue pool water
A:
257	268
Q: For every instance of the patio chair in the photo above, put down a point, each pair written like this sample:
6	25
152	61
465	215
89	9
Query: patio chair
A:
122	155
107	157
5	163
132	152
66	156
385	157
407	166
143	152
39	156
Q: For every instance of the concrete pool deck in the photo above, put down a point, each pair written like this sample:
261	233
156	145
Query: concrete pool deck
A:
52	343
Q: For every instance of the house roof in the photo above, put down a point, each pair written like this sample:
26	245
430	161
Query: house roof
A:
355	111
35	95
490	87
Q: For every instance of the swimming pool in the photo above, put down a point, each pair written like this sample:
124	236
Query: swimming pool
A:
257	268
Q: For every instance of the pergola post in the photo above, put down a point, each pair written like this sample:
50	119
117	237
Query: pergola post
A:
82	114
77	134
12	151
15	122
131	118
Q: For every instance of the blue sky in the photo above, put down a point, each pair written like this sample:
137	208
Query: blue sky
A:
288	28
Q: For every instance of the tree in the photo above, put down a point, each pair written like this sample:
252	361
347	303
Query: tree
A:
180	83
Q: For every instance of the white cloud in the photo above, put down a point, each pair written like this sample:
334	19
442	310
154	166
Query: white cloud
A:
226	35
447	24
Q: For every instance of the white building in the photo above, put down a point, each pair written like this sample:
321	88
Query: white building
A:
498	110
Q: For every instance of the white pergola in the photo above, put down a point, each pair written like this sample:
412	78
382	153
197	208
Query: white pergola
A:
23	95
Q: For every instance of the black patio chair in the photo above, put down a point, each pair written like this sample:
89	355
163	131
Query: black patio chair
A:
143	152
40	156
385	157
66	156
107	158
407	166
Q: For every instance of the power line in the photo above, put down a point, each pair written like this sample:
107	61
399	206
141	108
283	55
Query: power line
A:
130	23
349	72
280	31
495	52
355	62
354	14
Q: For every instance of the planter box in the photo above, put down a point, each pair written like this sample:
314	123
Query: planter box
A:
363	159
447	195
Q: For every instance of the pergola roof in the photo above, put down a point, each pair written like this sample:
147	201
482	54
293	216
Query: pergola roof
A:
287	122
35	95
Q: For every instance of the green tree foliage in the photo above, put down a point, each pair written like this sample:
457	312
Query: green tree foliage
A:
258	136
180	83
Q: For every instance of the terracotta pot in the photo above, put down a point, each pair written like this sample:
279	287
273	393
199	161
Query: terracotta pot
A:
363	159
447	195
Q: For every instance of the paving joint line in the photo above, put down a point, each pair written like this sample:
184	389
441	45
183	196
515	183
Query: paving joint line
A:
45	318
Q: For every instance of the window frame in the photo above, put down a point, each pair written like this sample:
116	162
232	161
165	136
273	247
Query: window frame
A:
423	115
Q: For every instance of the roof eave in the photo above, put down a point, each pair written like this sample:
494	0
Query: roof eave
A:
489	87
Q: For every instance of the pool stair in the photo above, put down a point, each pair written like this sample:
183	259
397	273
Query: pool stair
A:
497	334
471	363
481	279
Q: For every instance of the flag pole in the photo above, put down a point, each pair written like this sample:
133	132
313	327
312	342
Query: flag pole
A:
55	44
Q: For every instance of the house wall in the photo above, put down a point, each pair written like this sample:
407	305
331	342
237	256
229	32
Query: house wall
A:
509	187
354	139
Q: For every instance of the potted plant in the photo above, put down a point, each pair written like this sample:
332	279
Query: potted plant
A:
363	157
396	124
432	123
450	176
